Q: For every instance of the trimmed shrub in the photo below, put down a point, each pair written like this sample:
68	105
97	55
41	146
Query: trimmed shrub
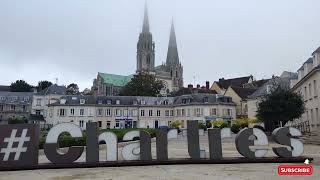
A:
235	128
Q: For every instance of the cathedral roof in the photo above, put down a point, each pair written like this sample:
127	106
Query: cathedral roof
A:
172	56
116	80
145	27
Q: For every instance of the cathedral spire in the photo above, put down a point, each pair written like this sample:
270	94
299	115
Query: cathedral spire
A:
172	56
145	27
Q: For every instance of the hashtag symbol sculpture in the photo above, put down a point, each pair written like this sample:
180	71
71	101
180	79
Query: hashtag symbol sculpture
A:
17	150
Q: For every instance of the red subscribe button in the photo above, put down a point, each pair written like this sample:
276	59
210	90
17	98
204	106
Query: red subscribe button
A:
295	170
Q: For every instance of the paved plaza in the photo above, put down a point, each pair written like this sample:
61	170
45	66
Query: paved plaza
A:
177	149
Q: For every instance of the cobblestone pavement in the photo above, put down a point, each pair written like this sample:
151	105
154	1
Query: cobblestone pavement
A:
177	149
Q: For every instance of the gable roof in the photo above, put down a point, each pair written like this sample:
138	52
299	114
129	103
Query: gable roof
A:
116	80
243	92
256	84
225	83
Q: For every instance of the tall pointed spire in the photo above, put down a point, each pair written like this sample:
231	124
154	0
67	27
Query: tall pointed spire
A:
172	56
145	27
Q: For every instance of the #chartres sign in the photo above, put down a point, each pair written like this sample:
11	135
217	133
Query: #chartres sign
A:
19	146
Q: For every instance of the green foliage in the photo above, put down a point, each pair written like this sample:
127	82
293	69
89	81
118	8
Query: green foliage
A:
217	123
241	122
72	89
142	85
202	125
20	86
65	140
43	85
16	120
280	105
175	124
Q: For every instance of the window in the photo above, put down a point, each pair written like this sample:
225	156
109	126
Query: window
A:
100	124
99	101
205	100
142	113
81	122
38	112
178	112
198	112
62	112
125	112
315	93
171	112
109	101
305	93
108	112
143	102
150	112
134	112
269	87
213	112
118	102
167	113
38	102
2	98
81	112
310	94
72	112
117	124
183	113
118	112
82	101
108	124
12	107
229	112
1	107
26	99
188	112
24	108
165	102
158	113
100	111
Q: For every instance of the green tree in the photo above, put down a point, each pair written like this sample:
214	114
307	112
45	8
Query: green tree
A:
20	86
72	89
17	120
142	85
43	85
280	106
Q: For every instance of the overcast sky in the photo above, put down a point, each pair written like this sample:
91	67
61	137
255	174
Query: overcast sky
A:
73	40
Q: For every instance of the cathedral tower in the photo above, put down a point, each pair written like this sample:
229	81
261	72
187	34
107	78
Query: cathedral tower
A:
173	64
145	48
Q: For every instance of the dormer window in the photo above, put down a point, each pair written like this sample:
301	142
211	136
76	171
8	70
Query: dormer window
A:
63	101
74	98
2	98
26	99
117	101
135	102
82	101
165	102
143	102
205	100
100	101
109	101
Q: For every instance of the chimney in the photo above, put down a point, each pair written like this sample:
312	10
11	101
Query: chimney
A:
207	85
198	86
190	86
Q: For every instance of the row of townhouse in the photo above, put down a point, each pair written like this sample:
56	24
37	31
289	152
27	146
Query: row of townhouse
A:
141	112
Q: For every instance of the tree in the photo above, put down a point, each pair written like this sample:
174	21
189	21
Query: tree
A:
72	89
17	120
142	85
43	85
280	107
20	86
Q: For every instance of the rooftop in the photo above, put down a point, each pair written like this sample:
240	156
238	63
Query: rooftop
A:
225	83
116	80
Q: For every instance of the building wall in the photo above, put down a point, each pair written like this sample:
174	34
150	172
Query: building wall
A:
166	115
309	89
217	88
235	98
252	107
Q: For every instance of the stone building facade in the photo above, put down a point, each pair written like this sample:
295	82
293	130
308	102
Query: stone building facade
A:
308	84
170	72
15	105
142	112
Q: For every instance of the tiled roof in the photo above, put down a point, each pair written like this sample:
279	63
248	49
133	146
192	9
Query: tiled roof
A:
116	80
54	89
256	84
225	83
4	88
186	90
243	92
